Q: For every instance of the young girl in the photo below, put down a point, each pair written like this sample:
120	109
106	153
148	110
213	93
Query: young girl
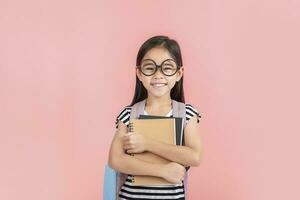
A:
158	87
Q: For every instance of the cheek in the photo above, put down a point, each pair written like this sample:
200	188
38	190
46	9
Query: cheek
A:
146	83
171	83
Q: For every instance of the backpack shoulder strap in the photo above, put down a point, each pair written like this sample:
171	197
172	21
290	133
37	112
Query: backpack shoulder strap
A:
179	110
137	109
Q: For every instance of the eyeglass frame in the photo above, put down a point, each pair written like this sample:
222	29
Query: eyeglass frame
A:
159	66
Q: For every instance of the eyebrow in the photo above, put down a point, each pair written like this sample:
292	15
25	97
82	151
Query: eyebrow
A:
147	59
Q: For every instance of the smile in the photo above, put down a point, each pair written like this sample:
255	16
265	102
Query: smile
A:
159	84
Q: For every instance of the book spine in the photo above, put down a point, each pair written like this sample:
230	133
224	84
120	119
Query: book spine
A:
130	129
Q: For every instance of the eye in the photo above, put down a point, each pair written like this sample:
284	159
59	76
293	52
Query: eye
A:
148	68
169	66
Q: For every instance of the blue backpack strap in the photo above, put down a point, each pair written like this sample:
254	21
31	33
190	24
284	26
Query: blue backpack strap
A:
109	187
112	181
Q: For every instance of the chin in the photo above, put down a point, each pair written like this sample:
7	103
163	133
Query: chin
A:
158	94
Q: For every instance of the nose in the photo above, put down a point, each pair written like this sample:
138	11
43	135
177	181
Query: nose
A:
158	72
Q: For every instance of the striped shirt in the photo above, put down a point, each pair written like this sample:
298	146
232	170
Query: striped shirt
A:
130	191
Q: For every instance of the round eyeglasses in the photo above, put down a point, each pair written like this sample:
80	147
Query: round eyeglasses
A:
148	67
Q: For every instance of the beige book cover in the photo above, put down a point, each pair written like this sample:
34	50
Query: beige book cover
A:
162	130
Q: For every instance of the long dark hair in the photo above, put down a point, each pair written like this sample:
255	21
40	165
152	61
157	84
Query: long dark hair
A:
174	49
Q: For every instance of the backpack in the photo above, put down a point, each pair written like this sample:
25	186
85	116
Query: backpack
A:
113	180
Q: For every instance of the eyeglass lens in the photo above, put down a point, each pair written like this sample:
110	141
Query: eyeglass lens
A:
169	67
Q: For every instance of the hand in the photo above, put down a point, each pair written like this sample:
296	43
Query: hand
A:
173	172
134	143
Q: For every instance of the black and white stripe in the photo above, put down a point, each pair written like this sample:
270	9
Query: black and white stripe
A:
190	112
130	191
125	114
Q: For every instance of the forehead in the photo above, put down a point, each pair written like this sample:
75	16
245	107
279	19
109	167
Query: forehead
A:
158	54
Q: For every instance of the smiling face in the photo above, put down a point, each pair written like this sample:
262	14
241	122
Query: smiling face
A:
159	84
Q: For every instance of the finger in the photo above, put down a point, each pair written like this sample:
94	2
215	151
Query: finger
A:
129	151
129	146
126	137
125	141
129	134
182	178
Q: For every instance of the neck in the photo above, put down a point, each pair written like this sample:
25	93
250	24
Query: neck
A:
156	102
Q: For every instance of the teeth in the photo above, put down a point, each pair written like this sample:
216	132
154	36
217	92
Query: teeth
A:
160	84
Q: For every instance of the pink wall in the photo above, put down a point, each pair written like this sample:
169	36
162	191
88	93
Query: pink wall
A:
67	68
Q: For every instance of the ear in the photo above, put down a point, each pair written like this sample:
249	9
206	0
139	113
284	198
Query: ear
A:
180	73
138	73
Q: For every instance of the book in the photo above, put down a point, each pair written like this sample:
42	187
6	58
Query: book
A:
162	130
178	124
179	129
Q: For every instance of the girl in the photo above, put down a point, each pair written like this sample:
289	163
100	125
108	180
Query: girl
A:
158	87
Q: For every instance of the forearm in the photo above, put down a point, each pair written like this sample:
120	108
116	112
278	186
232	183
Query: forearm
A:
130	165
181	154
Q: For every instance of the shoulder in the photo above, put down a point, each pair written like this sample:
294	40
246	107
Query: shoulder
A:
191	111
124	115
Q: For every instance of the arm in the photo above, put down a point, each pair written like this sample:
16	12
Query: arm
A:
188	155
127	164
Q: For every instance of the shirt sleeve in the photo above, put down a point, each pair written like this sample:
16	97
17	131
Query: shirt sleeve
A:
191	111
123	116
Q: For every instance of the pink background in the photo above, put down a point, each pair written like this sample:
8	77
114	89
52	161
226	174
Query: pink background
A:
67	69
